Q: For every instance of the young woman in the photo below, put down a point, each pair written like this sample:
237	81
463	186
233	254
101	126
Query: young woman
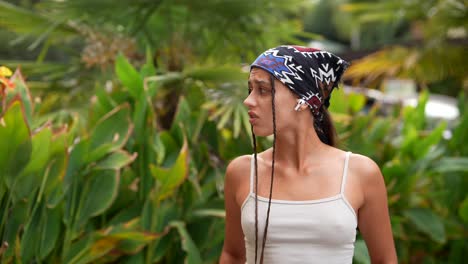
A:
302	200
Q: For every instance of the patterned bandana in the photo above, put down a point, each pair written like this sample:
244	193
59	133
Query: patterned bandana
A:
310	73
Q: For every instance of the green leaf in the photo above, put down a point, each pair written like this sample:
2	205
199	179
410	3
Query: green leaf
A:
237	121
210	213
459	133
397	226
138	258
200	122
30	178
88	250
129	77
159	148
463	210
171	147
415	118
50	231
225	117
422	146
23	21
140	118
428	223
103	104
148	68
123	239
152	83
41	142
78	250
116	160
41	233
454	164
169	179
15	142
193	254
98	249
19	215
223	73
379	129
3	189
31	237
182	116
99	194
131	240
410	138
110	133
76	162
339	102
162	248
245	121
356	102
361	254
56	169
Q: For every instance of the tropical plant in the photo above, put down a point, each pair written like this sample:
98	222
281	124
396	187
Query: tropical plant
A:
424	173
56	190
432	54
180	35
102	202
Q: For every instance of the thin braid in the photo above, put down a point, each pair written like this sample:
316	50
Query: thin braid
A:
256	191
272	166
254	140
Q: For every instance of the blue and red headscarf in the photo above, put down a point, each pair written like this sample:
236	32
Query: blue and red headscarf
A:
310	73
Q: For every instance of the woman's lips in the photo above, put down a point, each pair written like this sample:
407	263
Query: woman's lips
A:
253	117
252	114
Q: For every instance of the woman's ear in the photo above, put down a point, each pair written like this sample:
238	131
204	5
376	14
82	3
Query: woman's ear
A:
301	105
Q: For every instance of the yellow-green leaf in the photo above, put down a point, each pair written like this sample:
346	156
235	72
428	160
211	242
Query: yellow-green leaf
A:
169	179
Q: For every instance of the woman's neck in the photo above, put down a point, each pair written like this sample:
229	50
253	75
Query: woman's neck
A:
294	148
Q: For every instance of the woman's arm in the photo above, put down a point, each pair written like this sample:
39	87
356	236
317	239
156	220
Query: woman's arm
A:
374	219
234	245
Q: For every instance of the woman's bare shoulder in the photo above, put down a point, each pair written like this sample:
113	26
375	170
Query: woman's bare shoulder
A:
367	170
238	169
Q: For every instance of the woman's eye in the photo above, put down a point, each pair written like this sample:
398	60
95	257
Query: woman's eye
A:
261	91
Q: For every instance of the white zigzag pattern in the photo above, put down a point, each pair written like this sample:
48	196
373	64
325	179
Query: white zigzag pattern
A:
327	75
283	75
310	53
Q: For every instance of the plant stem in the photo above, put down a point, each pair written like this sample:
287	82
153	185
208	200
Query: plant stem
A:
69	225
5	214
155	203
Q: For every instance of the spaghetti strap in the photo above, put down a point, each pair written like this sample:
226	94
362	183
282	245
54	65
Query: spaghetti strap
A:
345	173
252	168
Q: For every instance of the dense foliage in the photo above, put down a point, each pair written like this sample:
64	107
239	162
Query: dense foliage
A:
117	152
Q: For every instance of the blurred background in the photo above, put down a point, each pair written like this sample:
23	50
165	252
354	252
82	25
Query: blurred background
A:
118	119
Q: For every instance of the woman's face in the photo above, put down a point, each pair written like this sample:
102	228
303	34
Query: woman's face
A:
259	104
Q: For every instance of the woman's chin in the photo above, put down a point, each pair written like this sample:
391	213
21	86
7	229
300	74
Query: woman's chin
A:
259	132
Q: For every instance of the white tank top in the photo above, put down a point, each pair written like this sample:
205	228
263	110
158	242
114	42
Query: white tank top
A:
310	231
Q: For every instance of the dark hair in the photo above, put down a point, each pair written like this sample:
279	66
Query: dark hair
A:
325	131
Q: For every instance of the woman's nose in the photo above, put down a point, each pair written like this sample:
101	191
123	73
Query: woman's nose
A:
249	101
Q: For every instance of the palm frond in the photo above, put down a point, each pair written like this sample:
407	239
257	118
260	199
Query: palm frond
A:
23	21
423	65
225	105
